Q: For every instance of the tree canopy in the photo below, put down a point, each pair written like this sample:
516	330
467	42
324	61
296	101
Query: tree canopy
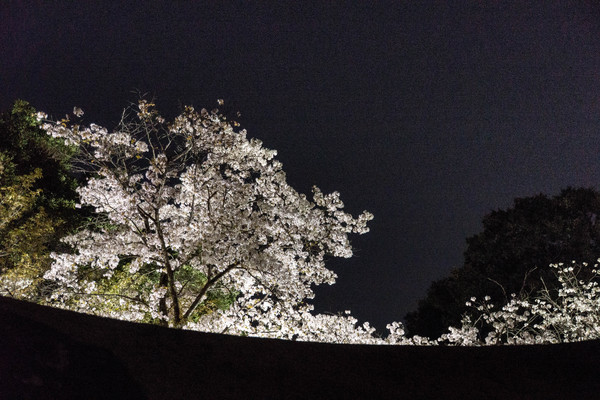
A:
200	228
37	197
30	148
511	254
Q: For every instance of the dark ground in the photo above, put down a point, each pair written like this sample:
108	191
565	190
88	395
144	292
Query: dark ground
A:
47	353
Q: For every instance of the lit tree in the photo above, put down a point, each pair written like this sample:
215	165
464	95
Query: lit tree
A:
569	313
199	229
30	148
25	231
37	197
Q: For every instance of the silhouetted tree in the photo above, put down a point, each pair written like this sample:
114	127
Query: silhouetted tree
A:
511	255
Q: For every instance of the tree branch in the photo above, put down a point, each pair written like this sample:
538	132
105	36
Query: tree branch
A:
205	288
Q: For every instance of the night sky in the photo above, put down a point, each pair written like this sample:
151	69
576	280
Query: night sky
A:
428	115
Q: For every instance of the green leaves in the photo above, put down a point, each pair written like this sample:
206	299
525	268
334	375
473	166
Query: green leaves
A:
218	297
37	200
25	231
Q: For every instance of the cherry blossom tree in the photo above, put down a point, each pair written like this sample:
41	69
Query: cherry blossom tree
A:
199	229
569	315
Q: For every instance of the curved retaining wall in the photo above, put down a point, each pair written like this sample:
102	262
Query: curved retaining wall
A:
47	353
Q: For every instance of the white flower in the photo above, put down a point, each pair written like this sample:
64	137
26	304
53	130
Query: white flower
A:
77	111
199	204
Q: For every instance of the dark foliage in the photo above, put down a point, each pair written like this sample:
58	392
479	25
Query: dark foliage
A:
25	148
30	148
512	254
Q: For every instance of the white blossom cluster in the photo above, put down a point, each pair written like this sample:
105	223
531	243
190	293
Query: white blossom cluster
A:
569	314
191	208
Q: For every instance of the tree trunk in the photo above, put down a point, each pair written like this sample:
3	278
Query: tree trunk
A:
162	304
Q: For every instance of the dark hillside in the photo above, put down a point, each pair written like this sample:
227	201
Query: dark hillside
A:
54	354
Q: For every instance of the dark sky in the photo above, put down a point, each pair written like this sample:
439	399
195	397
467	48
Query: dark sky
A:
428	115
